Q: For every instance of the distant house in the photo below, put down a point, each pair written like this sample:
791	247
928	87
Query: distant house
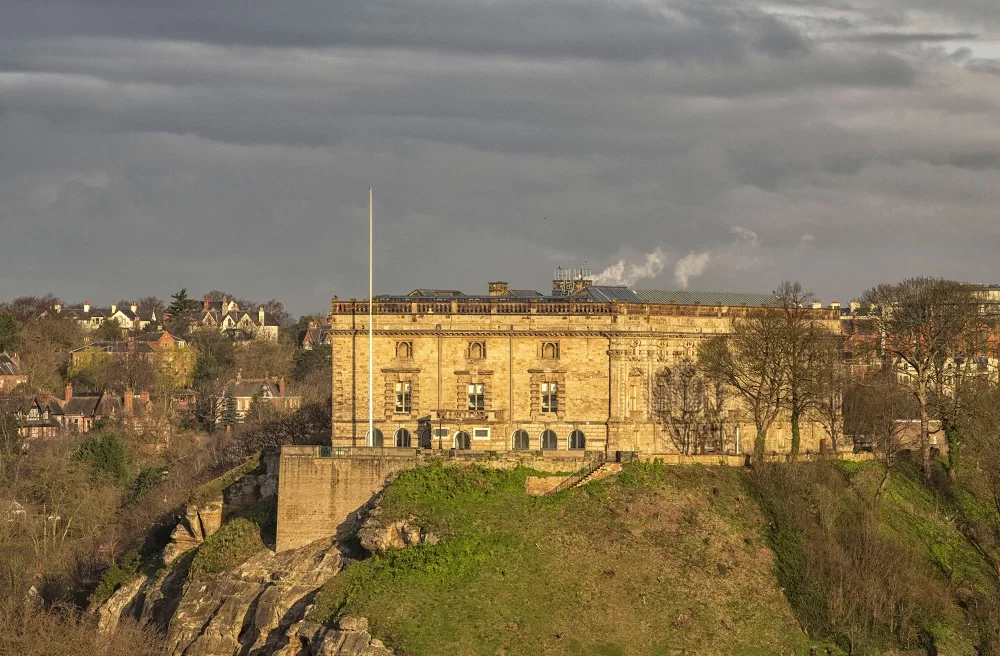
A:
316	335
80	412
34	416
91	318
160	339
10	373
240	325
247	390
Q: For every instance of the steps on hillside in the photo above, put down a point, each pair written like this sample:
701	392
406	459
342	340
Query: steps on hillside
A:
596	470
605	470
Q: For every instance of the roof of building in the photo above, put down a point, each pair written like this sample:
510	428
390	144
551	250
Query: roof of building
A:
524	293
436	292
92	405
113	347
607	293
154	336
8	367
247	387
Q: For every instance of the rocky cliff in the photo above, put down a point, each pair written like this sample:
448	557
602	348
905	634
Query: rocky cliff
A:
259	606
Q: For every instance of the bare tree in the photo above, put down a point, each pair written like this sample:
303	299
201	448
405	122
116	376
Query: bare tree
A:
923	323
679	404
805	341
875	410
751	361
826	384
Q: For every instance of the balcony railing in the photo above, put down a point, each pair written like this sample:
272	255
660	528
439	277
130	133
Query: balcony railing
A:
551	307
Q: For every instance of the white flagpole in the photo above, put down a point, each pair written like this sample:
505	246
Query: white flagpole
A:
371	301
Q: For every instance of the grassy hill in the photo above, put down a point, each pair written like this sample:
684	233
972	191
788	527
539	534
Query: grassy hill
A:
660	561
674	560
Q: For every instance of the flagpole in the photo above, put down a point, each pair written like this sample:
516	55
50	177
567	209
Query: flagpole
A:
371	302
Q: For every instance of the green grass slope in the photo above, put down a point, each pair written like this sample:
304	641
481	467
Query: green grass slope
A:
657	561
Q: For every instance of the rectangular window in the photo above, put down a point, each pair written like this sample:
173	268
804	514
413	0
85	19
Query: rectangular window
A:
477	399
480	433
550	397
403	397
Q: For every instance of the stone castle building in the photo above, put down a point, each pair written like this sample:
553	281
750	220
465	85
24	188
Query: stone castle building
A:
518	371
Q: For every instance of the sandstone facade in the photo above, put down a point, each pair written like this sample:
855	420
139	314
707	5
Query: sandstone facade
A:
602	358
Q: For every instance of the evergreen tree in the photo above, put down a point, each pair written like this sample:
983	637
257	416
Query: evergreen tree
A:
228	417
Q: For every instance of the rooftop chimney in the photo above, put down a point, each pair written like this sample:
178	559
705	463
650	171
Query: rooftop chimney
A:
817	305
135	307
114	308
239	375
498	288
281	386
260	315
69	392
835	305
128	399
86	307
204	303
57	306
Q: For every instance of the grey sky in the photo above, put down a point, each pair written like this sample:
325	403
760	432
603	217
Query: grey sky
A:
149	146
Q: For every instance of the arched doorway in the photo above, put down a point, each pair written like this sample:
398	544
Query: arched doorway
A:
402	438
424	437
520	440
577	440
549	440
376	440
463	441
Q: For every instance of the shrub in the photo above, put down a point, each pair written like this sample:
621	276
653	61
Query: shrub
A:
120	573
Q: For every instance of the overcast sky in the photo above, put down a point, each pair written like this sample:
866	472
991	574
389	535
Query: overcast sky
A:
150	145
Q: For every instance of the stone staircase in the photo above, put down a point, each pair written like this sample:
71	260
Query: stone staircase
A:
593	471
605	470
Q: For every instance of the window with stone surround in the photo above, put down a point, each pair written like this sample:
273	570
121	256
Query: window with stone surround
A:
404	349
375	440
402	438
463	441
403	397
550	350
550	397
520	440
549	440
577	440
477	397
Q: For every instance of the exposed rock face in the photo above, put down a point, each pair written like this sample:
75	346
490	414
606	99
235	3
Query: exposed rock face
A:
378	535
248	610
199	522
350	638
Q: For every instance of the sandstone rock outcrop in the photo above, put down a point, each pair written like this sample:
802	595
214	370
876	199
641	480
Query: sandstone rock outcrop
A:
350	638
247	610
378	535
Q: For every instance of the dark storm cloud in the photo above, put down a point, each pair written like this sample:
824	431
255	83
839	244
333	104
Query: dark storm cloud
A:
152	146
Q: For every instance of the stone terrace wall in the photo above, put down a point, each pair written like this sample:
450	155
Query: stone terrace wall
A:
321	488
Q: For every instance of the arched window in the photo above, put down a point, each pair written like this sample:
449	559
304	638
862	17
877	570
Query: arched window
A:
404	349
550	350
477	350
377	440
425	438
549	440
463	441
577	440
402	438
519	440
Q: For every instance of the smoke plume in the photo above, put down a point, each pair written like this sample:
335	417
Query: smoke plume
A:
690	266
628	273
